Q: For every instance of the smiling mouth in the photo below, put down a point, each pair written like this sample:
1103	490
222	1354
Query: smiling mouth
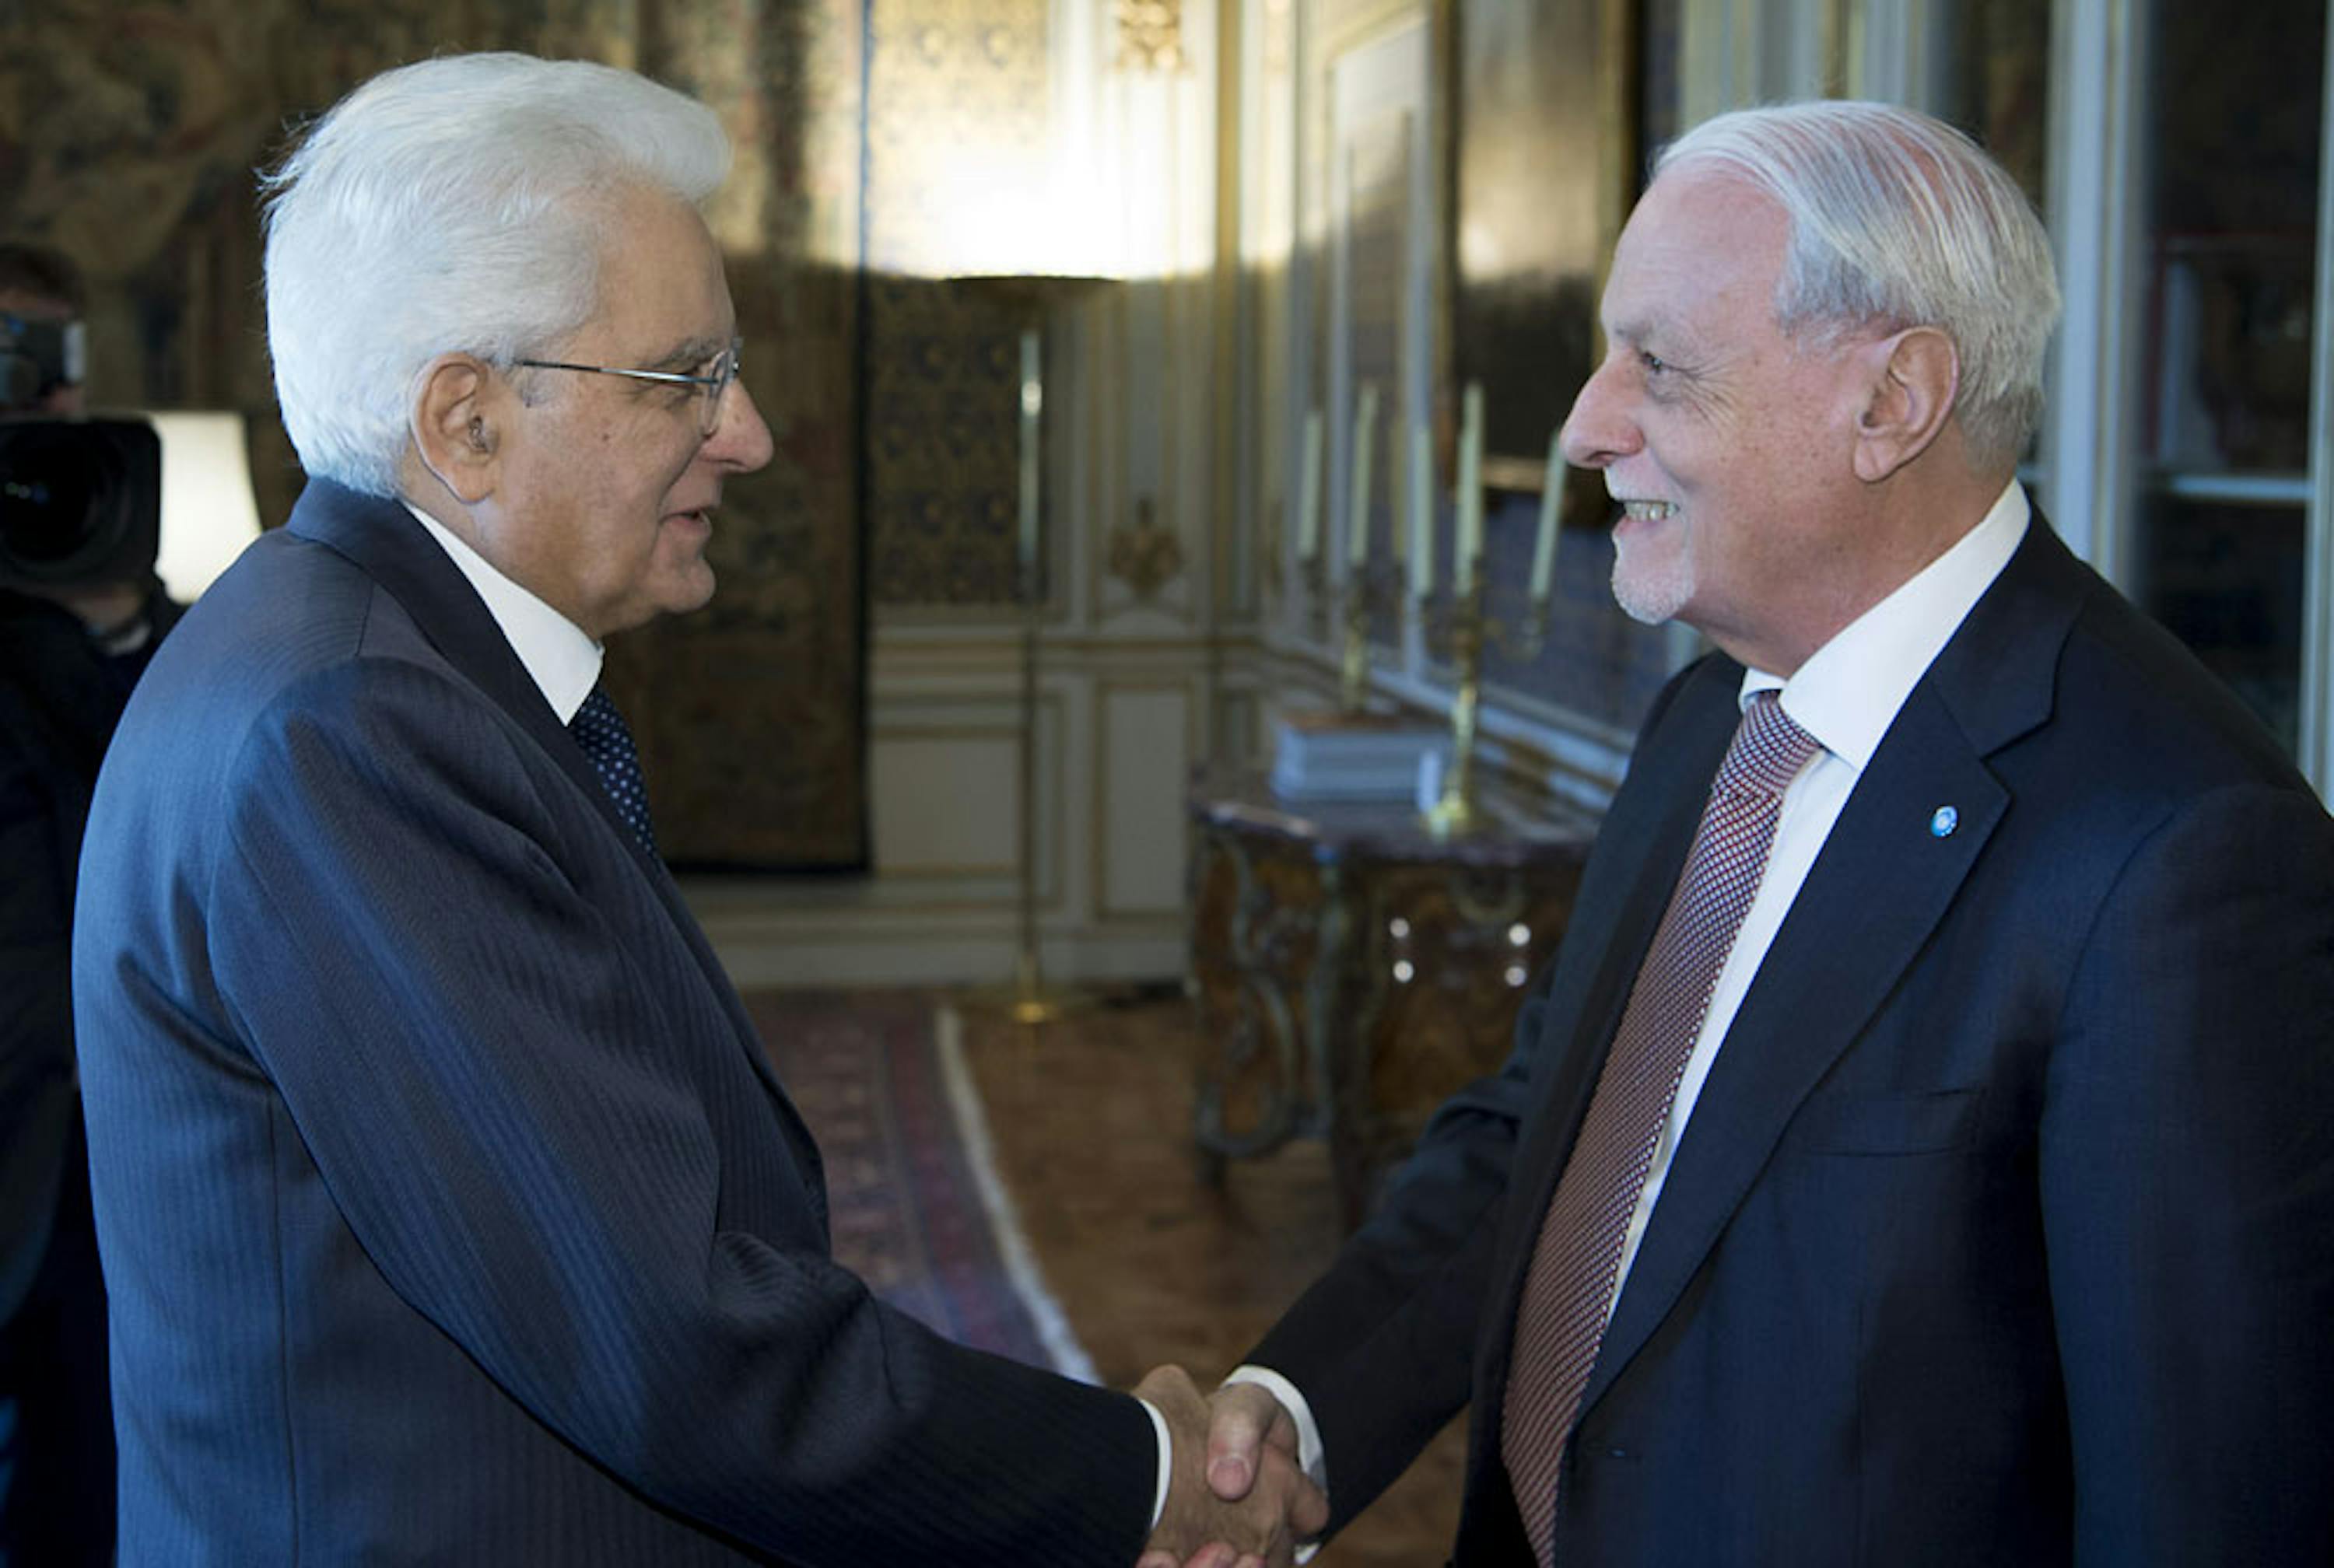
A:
1645	511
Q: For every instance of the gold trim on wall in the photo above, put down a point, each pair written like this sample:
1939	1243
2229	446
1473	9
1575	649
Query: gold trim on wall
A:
1144	556
1151	35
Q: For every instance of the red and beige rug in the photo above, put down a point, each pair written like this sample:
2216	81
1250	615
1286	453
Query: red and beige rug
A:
917	1209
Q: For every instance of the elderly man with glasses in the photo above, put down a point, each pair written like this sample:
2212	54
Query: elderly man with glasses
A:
452	1210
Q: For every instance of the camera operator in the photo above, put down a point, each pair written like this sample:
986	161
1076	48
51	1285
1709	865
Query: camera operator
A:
69	654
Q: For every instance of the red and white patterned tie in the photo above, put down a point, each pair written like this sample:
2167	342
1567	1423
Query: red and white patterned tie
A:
1560	1322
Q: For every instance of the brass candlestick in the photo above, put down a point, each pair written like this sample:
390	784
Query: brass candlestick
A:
1368	587
1464	628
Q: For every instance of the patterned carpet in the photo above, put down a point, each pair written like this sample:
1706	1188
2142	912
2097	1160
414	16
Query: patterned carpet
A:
917	1209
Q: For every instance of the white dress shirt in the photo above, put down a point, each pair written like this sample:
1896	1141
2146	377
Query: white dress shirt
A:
1846	694
564	663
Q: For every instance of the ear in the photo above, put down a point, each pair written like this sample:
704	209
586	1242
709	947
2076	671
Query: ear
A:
1910	379
457	428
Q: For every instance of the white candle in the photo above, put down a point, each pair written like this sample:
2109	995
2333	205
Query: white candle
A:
1551	497
1033	403
1422	511
1365	424
1470	528
1308	491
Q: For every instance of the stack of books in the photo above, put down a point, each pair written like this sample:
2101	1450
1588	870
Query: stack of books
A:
1353	756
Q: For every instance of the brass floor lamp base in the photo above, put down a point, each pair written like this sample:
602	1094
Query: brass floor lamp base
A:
1029	998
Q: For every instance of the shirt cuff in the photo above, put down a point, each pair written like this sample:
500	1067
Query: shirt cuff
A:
1309	1458
1166	1459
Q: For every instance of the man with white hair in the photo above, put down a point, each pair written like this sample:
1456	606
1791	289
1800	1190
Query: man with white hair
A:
450	1208
1922	1150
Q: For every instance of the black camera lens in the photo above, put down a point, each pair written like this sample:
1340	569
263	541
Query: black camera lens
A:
80	500
46	506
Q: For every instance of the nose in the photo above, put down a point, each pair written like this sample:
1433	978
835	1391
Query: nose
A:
741	442
1598	431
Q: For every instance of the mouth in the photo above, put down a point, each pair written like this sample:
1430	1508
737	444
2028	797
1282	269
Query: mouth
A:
701	519
1641	514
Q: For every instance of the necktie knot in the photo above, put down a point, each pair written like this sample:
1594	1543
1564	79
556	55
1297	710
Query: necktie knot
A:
607	740
1768	750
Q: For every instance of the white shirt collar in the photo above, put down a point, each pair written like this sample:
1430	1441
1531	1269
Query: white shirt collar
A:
564	661
1848	693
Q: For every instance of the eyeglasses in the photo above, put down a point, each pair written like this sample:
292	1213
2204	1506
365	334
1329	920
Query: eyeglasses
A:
712	387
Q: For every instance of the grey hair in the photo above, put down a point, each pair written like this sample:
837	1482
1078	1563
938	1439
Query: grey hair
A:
1899	220
458	205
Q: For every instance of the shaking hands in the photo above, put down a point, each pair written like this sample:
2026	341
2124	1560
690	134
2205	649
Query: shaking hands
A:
1236	1497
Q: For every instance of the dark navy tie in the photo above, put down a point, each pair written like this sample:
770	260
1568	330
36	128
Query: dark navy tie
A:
601	731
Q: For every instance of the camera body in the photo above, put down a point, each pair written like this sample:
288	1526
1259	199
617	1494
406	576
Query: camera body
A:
81	501
36	357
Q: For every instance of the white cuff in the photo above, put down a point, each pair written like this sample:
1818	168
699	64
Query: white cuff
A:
1309	1458
1166	1458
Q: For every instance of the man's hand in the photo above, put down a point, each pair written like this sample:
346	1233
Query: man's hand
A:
1204	1526
1245	1419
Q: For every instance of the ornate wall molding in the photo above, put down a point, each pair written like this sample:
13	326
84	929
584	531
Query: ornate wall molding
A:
1151	35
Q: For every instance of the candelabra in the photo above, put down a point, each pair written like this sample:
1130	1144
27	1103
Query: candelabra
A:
1370	587
1464	628
1461	626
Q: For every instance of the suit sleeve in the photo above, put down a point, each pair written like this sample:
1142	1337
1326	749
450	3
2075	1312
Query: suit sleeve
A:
1382	1345
2187	1164
498	1094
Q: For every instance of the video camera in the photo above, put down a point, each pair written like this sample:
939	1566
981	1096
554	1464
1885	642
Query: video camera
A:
81	501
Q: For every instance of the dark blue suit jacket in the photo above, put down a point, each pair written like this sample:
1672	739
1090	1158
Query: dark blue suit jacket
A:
451	1209
2000	1232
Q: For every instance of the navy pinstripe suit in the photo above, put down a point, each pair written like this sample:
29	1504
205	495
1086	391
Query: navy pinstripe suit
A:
449	1208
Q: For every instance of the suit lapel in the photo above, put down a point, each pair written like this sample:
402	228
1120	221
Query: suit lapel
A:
395	551
1870	904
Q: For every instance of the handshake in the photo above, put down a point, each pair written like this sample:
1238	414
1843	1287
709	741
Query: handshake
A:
1236	1497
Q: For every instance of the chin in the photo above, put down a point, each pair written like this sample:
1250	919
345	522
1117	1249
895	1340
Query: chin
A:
693	591
1652	592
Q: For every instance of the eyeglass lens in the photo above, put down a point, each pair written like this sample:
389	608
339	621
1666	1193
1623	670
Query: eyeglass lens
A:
724	372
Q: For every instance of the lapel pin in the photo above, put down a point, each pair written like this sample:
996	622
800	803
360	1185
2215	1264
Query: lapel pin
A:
1943	821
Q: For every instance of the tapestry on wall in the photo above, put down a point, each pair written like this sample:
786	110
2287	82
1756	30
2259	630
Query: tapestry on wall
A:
131	134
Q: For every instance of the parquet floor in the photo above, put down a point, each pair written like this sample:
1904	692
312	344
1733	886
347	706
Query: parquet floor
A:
1091	1119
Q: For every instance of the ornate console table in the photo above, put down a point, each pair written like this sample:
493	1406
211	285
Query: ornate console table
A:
1350	969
